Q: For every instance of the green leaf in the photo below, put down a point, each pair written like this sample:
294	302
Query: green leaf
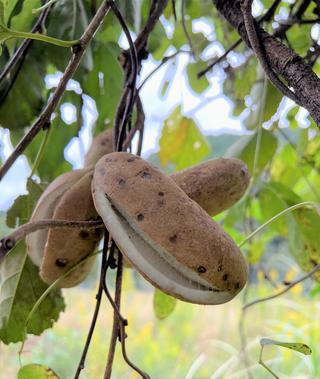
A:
182	143
284	166
9	6
270	204
244	148
291	117
305	240
2	21
35	371
301	227
26	97
297	346
198	85
5	34
163	304
239	82
10	272
300	38
267	107
22	208
20	288
23	21
104	83
63	26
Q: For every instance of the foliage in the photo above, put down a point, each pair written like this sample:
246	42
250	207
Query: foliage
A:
279	141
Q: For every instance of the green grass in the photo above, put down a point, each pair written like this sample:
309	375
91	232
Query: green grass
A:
195	342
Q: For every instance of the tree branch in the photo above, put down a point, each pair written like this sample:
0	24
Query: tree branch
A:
8	243
284	61
43	121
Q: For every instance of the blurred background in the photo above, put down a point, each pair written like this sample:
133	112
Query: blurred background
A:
231	111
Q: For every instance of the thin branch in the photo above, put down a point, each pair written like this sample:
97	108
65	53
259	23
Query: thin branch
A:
140	123
97	307
125	108
8	243
138	127
219	59
271	11
117	318
184	27
119	323
43	121
259	51
156	11
284	26
157	68
173	3
288	288
304	204
93	6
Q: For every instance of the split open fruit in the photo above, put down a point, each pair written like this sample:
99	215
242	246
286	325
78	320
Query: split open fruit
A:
189	246
165	235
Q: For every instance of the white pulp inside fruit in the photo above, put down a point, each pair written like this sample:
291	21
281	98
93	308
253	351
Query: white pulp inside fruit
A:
154	263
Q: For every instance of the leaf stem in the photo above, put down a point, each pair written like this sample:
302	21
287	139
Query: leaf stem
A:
45	6
43	38
264	365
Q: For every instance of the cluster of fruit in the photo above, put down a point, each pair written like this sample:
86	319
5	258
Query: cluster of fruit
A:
162	224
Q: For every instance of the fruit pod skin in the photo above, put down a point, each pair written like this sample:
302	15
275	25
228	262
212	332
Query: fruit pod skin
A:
216	184
198	262
66	247
44	210
102	144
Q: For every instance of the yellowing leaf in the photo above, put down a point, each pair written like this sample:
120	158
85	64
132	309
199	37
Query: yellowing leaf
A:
163	304
34	371
182	143
297	346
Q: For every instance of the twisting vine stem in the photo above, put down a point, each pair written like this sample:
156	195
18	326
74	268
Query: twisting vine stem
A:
122	142
97	307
